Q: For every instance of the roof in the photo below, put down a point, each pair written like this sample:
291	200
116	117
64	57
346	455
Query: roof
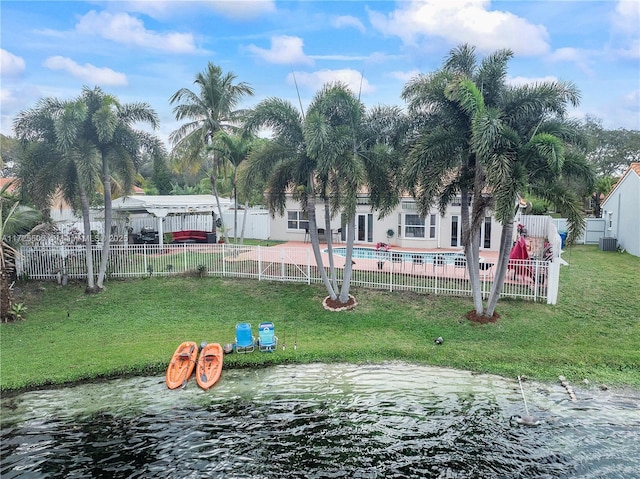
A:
163	205
633	167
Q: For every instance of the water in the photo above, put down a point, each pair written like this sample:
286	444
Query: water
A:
447	257
321	421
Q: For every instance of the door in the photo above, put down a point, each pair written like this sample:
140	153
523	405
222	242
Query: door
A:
364	228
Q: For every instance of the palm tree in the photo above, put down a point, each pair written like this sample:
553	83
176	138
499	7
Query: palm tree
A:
108	128
51	162
96	125
234	149
441	163
523	143
490	142
327	155
211	109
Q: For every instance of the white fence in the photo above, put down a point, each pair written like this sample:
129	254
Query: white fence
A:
526	279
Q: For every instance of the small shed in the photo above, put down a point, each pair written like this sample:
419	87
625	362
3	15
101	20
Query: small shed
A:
161	206
621	212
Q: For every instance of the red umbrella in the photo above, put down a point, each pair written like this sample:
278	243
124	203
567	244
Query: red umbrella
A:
519	252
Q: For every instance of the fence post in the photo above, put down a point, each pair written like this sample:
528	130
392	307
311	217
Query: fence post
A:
308	266
259	263
553	281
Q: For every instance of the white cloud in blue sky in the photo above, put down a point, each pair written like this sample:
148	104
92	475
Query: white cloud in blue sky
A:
146	50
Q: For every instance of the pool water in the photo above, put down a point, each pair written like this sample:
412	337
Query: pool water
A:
447	257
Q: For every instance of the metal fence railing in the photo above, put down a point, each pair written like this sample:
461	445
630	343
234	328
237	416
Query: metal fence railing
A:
526	279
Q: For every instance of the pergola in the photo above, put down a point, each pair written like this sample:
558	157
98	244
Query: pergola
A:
161	206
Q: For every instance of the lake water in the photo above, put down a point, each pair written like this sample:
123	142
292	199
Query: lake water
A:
393	420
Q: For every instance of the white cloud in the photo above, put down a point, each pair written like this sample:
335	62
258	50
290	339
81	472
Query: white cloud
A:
462	21
348	21
577	56
128	30
284	50
10	65
626	17
404	76
87	72
315	80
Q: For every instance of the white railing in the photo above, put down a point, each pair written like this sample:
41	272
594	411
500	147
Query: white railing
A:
526	279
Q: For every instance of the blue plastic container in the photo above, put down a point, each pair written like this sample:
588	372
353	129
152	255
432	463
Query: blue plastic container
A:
563	238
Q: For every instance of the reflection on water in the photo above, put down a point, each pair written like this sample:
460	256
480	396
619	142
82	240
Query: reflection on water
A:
317	421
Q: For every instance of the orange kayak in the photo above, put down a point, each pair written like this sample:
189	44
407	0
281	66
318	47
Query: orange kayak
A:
209	365
181	366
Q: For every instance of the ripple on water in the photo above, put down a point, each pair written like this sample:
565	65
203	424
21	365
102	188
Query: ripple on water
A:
391	420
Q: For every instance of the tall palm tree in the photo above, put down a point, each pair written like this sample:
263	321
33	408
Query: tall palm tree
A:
327	155
54	161
234	149
108	128
524	143
441	163
213	108
490	142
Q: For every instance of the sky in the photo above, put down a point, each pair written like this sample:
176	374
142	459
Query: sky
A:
146	50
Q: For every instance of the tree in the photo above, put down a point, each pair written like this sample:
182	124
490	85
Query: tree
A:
213	108
234	149
52	161
14	220
327	155
98	124
610	151
492	143
441	163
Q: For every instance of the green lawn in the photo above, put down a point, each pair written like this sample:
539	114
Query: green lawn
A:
134	326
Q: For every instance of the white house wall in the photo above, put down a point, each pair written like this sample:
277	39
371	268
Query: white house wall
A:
621	211
394	221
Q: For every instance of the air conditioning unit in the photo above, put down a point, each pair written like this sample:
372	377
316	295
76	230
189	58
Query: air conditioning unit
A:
608	244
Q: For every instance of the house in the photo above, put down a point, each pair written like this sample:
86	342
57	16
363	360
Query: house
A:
403	228
621	211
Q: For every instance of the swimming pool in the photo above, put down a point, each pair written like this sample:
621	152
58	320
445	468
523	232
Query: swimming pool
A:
449	257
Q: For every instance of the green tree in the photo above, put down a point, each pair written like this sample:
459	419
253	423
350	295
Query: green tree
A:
235	149
98	125
493	143
213	108
325	155
441	163
14	221
53	161
610	151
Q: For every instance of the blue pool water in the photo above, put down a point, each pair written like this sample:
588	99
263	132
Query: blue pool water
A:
371	253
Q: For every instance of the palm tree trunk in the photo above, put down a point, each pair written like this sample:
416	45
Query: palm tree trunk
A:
106	182
244	220
315	242
501	268
327	228
84	201
348	267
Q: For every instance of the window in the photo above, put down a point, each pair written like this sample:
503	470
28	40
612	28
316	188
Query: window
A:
487	232
297	220
409	205
454	231
432	226
414	226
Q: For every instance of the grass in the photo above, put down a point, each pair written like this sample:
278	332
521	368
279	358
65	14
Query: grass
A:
134	326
